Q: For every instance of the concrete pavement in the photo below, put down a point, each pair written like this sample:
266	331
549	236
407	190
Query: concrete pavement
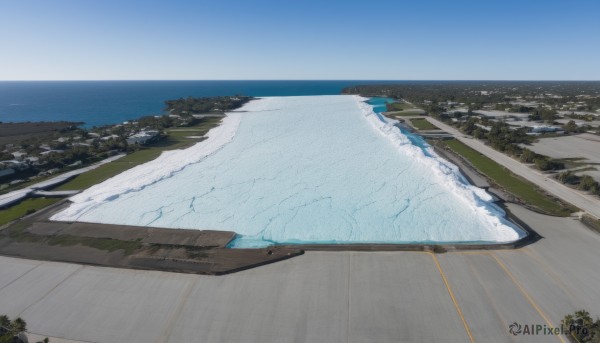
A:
588	203
321	296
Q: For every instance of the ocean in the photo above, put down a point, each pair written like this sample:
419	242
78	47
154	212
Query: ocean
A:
110	102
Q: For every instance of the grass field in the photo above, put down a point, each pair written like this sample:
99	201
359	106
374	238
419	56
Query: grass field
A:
176	139
422	124
405	110
24	207
401	106
510	182
410	113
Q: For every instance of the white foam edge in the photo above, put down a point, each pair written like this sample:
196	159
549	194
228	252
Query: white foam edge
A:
166	165
448	175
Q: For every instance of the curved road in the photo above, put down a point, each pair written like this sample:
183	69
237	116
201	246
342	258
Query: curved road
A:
587	203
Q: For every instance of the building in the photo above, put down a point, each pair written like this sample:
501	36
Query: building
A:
109	137
545	128
142	137
19	156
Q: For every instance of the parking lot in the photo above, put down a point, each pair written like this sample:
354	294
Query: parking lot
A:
320	296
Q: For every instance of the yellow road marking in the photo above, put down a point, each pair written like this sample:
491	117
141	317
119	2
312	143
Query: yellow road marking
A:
437	263
527	296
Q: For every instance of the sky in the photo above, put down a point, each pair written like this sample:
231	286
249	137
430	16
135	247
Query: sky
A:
295	40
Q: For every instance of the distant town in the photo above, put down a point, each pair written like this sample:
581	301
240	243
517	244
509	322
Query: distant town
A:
552	126
34	151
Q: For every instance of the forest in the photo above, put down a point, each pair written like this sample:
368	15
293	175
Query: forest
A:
192	105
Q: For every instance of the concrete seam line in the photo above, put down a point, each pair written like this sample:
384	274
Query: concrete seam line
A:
52	289
527	296
22	275
168	329
437	264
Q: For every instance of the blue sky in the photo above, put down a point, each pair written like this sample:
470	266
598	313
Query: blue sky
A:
398	40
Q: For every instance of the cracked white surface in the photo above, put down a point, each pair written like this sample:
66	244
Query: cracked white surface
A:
318	169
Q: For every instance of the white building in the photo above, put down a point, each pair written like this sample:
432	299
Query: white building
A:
544	128
19	155
142	137
109	137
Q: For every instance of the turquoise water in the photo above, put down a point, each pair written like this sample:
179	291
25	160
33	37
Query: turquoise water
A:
109	102
379	103
379	106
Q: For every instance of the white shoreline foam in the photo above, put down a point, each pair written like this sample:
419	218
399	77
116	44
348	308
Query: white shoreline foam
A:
164	166
448	175
490	216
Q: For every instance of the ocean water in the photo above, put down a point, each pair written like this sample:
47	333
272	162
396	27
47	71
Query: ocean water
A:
110	102
312	169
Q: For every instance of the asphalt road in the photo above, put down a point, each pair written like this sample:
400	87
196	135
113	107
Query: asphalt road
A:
321	296
588	203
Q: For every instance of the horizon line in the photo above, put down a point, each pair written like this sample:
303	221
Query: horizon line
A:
266	80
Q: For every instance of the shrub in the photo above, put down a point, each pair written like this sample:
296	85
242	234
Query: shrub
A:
528	156
586	183
567	177
543	163
581	327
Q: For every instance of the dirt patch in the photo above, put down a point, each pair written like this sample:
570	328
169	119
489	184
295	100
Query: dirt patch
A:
187	251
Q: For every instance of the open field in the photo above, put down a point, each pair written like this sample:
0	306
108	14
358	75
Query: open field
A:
22	208
401	106
321	296
410	113
176	139
422	124
403	109
505	179
585	146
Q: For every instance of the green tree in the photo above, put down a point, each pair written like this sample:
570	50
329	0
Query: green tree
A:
586	183
544	163
479	133
581	327
11	329
567	177
528	156
571	126
469	126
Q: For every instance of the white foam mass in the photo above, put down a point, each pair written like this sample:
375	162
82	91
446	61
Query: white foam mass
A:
319	169
136	178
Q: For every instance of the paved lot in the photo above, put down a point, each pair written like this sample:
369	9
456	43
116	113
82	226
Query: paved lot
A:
586	146
320	296
588	203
